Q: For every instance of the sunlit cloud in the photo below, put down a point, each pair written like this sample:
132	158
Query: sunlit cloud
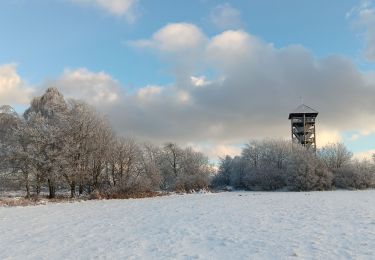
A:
122	8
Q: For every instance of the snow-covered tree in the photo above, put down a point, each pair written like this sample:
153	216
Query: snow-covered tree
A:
335	155
274	164
305	172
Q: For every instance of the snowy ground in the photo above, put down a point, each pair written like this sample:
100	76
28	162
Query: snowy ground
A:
236	225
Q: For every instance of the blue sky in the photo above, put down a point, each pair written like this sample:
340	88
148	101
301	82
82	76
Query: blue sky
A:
44	37
47	38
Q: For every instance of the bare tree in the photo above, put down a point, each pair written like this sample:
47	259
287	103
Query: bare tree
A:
171	164
335	155
78	133
151	155
10	164
195	171
100	146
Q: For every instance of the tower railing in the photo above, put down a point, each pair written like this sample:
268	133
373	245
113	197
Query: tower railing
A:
303	126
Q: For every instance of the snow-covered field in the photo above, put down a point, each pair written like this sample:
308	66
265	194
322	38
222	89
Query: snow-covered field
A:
232	225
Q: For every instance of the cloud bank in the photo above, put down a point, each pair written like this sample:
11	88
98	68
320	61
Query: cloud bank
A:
229	88
256	86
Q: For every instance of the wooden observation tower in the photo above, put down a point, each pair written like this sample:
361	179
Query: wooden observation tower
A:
303	126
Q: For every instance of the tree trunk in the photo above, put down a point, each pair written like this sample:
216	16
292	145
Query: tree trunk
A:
80	189
113	175
52	189
37	188
72	189
27	187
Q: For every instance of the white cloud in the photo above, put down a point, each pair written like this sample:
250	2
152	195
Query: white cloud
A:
180	44
232	43
224	17
368	155
149	92
227	49
174	38
199	81
222	150
256	86
124	8
183	96
216	151
363	16
13	90
327	136
354	137
96	88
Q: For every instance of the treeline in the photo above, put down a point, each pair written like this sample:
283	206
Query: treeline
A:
275	165
60	145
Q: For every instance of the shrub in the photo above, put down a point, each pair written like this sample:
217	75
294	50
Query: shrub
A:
305	172
264	179
354	177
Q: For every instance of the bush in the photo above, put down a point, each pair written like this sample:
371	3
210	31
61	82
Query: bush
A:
222	178
96	195
186	183
354	177
264	179
305	173
272	165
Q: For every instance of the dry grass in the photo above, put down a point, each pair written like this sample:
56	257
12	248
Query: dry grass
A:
43	200
34	200
20	202
135	195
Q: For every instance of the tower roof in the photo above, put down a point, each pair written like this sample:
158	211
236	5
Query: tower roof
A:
303	109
